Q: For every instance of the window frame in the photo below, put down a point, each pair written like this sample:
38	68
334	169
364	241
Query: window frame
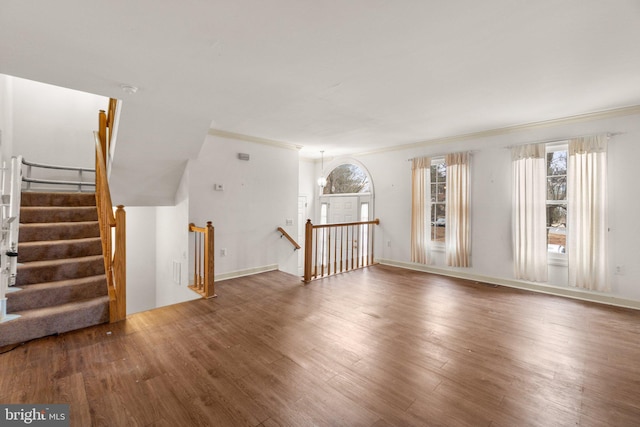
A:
433	203
556	258
363	171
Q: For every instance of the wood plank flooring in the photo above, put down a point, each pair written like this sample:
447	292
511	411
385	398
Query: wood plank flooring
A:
376	347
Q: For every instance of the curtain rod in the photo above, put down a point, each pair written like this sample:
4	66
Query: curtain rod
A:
551	141
443	154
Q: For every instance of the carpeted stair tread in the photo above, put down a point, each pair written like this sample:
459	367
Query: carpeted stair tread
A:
35	214
39	295
34	198
57	319
58	231
62	269
56	249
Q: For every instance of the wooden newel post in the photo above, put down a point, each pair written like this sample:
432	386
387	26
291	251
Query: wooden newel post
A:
120	263
209	262
102	133
308	249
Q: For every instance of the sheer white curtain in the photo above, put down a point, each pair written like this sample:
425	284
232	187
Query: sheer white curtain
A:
420	209
529	212
457	235
587	213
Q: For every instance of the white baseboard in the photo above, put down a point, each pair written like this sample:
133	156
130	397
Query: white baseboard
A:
574	293
247	272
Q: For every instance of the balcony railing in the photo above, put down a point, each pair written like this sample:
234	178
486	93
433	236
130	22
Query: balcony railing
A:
337	248
203	260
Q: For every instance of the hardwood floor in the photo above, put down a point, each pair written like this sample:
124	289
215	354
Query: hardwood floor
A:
375	347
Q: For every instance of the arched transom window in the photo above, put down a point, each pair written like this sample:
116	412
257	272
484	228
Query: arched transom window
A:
347	179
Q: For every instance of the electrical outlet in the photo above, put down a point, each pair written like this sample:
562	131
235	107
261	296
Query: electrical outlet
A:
288	222
223	252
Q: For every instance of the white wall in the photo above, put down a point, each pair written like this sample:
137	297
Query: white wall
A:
624	212
491	201
307	186
6	117
259	196
172	246
54	125
141	258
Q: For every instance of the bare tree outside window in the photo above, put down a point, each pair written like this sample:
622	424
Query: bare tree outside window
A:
347	179
438	200
557	200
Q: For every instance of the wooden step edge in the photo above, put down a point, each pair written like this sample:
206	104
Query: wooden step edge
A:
56	224
36	243
56	262
58	284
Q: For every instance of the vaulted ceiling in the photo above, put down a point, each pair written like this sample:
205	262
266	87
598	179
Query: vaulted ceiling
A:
334	75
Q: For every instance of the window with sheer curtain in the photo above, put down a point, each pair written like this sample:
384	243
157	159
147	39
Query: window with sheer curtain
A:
529	212
457	233
420	209
587	213
572	187
440	208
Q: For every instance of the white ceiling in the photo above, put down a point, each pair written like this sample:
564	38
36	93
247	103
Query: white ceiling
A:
342	76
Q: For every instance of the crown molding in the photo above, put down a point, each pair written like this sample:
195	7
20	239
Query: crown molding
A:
256	139
598	115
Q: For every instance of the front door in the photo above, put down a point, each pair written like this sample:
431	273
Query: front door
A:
343	209
340	209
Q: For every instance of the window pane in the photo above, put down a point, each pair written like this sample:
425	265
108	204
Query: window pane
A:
557	188
441	193
557	163
438	222
437	234
557	215
438	199
323	213
346	179
557	228
364	212
556	200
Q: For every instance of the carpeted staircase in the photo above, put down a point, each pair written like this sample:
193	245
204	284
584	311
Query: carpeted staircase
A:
61	270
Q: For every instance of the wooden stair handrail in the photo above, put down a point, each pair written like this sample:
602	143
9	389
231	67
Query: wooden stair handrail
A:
284	233
343	224
102	184
114	257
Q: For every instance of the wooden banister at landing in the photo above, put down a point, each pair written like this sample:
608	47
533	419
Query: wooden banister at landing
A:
114	252
336	248
283	233
203	260
106	125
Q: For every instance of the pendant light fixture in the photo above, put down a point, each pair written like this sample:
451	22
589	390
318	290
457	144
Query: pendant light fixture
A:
322	181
